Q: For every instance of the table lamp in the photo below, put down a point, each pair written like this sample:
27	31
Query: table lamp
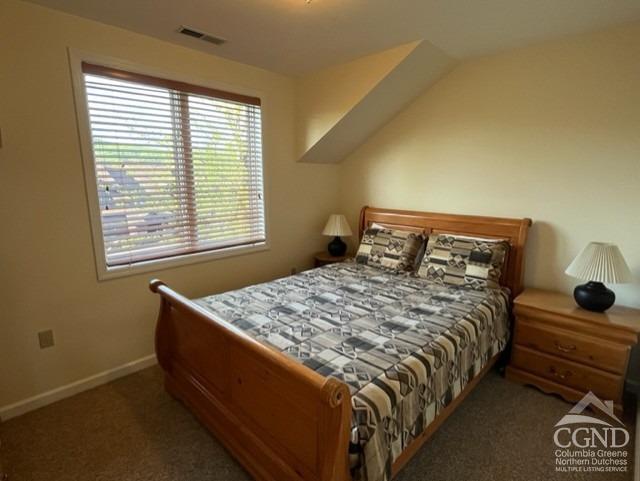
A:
337	226
598	262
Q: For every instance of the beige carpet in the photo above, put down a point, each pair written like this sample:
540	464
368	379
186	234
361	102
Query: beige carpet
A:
130	430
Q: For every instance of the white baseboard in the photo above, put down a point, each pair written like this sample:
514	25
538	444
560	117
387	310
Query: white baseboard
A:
35	402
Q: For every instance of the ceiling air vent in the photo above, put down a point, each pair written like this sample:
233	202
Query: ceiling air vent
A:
201	35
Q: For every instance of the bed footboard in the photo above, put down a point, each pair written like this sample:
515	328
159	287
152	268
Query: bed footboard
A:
279	419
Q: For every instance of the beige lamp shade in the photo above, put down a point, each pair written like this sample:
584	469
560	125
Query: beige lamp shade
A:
337	225
600	262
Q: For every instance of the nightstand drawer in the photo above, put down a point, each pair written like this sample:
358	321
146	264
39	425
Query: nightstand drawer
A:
582	378
583	349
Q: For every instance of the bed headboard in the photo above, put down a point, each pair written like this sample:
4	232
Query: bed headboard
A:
513	230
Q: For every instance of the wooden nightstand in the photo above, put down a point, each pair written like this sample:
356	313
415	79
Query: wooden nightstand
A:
563	349
324	258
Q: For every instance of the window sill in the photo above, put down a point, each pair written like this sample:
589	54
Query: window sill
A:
107	273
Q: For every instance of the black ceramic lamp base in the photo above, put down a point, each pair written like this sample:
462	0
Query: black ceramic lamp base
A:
337	247
594	296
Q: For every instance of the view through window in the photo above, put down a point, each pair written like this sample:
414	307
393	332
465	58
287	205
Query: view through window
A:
178	166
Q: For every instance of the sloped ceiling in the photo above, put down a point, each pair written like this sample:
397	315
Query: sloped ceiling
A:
326	96
416	67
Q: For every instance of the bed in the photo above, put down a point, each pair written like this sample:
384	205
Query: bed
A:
341	372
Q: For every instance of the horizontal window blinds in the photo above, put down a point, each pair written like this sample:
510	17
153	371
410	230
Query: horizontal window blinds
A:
178	166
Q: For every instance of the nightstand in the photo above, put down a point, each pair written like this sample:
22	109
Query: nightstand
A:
324	258
563	349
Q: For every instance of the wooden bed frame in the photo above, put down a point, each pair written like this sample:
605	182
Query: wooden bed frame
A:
281	420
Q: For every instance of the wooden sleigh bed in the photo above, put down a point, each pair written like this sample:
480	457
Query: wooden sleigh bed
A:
281	420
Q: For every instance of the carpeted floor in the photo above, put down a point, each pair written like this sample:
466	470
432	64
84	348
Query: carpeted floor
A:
131	430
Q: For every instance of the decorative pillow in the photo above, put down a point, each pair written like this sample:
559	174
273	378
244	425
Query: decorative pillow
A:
390	248
464	261
366	245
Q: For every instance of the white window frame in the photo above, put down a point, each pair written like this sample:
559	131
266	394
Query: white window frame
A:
105	272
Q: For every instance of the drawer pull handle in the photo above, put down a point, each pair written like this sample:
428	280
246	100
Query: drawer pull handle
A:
562	348
559	375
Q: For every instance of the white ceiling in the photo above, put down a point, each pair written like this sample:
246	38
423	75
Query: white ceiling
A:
294	37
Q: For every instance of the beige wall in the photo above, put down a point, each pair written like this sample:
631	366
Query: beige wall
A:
47	272
325	96
550	132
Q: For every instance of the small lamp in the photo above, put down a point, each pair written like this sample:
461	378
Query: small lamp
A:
337	226
597	263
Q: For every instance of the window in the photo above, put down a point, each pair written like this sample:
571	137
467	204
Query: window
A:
178	167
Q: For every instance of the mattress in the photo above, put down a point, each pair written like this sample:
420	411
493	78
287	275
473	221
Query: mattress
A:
405	346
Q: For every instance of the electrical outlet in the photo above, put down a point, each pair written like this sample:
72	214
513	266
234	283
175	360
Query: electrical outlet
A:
46	339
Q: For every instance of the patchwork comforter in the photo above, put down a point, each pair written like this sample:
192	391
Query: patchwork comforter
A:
405	346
